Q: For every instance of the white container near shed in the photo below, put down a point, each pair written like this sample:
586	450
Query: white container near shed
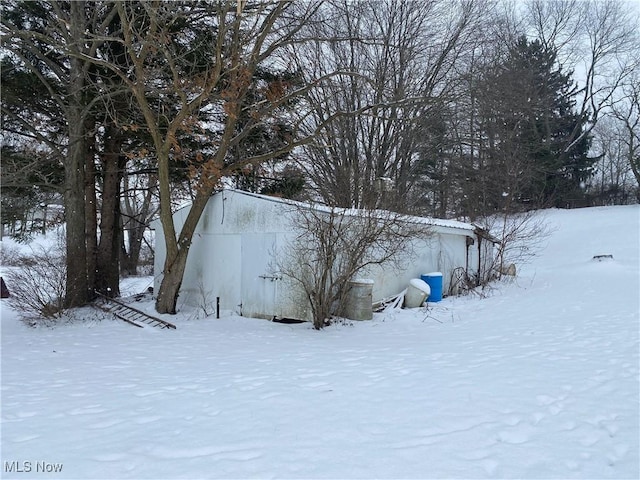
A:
417	292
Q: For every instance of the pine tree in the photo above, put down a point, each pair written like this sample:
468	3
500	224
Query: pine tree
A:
530	126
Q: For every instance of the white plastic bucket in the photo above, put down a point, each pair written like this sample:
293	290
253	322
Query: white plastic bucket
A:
417	292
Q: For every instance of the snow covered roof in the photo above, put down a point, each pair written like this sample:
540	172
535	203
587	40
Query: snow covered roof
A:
451	226
436	222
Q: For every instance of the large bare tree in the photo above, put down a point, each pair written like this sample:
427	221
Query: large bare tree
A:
187	61
598	39
404	53
626	111
613	181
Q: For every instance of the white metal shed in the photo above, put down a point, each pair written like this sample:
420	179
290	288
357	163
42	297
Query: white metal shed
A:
240	235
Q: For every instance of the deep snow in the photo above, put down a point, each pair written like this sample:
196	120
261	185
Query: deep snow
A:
538	380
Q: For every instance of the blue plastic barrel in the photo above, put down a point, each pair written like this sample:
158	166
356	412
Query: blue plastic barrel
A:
434	280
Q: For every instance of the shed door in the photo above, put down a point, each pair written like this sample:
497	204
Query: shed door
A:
259	282
222	268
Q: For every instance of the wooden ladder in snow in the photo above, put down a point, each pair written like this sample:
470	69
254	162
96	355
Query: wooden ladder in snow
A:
129	314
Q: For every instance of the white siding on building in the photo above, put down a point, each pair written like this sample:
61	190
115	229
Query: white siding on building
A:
240	235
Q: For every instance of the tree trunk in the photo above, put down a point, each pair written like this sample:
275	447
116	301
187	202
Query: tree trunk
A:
177	252
167	298
76	291
138	220
74	206
91	213
130	259
108	253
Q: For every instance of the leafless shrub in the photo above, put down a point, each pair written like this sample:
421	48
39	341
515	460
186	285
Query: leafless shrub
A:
206	301
37	284
461	282
9	255
521	236
334	246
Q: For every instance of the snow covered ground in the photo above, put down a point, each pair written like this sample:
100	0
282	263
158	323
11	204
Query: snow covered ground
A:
539	380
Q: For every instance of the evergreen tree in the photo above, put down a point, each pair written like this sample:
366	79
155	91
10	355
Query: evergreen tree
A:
272	134
530	124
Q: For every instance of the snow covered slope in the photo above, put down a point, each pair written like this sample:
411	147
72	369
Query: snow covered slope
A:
539	380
